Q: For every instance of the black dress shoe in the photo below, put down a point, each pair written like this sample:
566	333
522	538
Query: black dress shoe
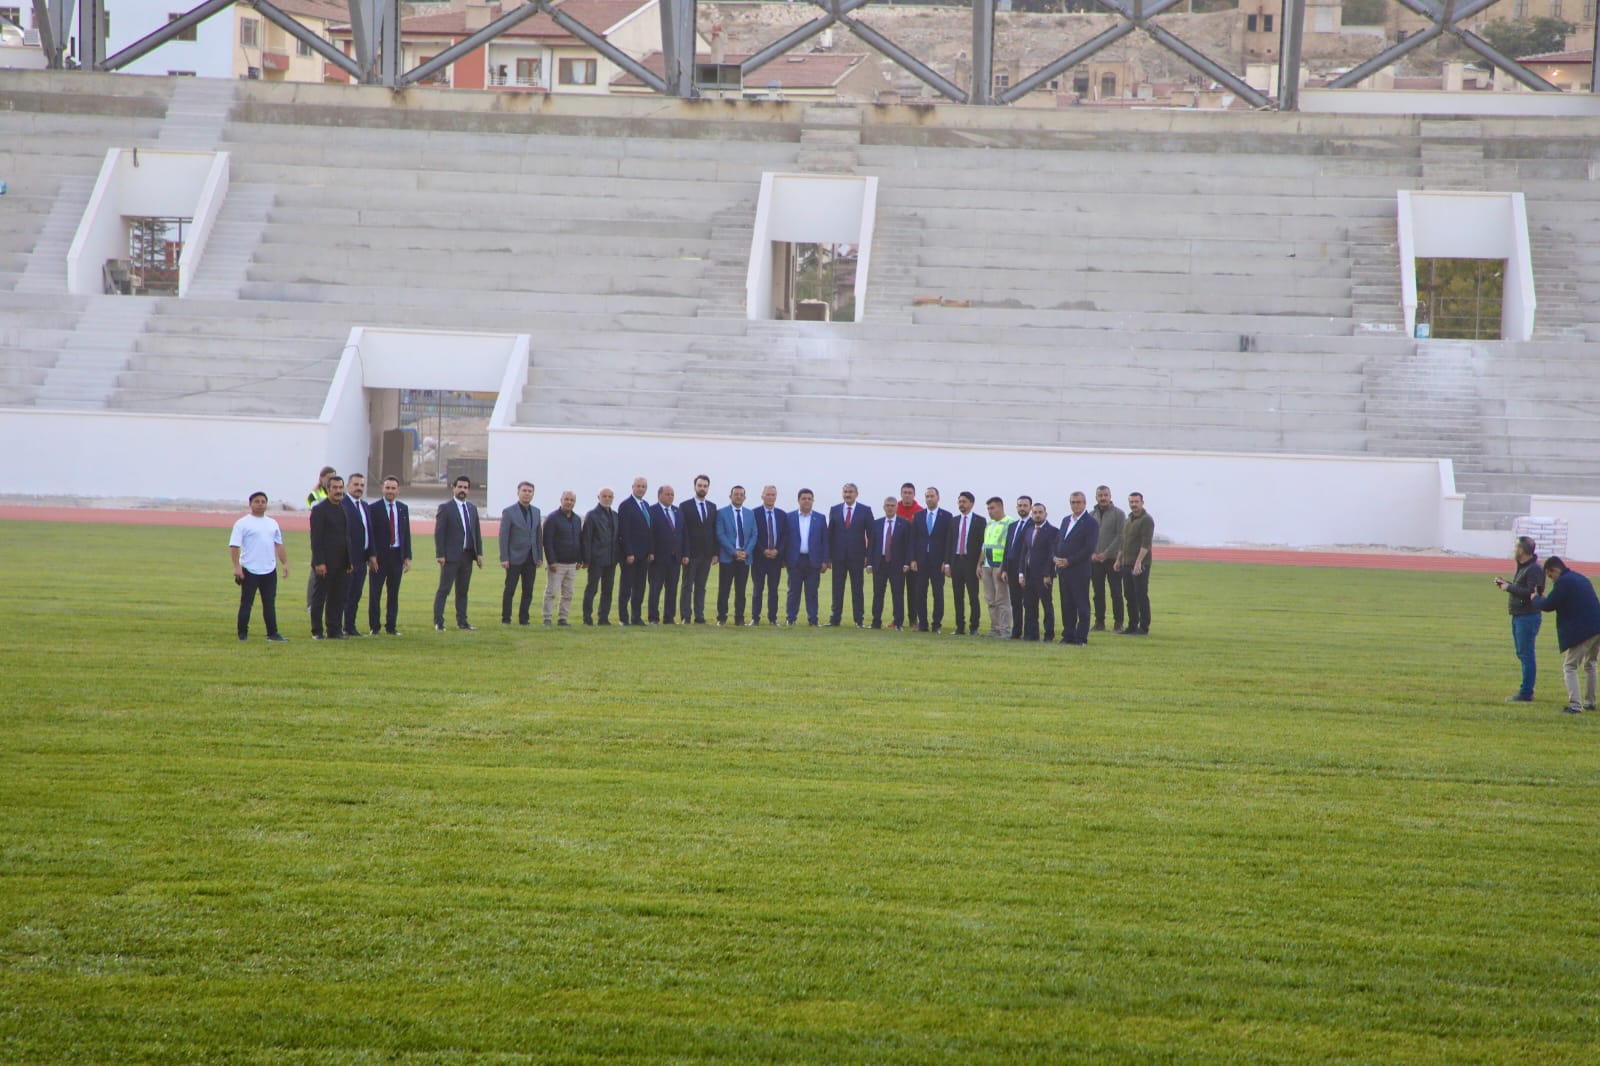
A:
277	638
318	636
961	631
1098	627
465	625
353	633
244	636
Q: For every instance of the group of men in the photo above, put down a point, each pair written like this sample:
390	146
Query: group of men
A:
665	552
1571	597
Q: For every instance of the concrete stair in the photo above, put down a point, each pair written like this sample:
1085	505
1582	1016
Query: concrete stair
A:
196	114
84	376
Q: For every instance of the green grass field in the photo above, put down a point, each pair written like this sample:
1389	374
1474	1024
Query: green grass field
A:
1297	824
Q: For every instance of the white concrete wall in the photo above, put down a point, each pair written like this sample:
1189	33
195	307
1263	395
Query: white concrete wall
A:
1409	102
208	205
1200	498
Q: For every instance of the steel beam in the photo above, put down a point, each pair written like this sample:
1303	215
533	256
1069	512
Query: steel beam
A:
1291	31
1066	62
684	14
47	36
299	32
92	36
1206	65
982	52
1505	62
151	41
914	66
622	59
468	45
1594	57
1386	57
670	66
797	36
362	37
389	49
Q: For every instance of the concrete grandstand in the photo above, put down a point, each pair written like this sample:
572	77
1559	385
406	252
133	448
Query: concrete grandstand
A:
1206	306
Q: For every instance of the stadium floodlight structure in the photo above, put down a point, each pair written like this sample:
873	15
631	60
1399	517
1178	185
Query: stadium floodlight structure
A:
375	34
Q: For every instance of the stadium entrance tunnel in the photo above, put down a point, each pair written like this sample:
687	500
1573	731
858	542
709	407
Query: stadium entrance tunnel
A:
1489	227
412	403
812	247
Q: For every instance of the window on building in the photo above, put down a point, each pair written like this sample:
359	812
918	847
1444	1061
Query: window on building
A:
249	32
1080	84
1588	10
1108	86
1002	81
1519	9
577	71
1555	9
528	72
12	15
180	74
1054	85
438	77
1250	23
1266	23
186	35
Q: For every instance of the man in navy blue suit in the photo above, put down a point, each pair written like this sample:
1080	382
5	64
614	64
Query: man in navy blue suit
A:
806	555
636	548
736	546
666	531
458	547
961	564
889	558
930	544
1074	564
772	537
1012	565
359	524
1035	565
391	554
849	526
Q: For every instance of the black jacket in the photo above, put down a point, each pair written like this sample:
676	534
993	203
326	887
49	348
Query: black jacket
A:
1526	583
330	536
563	537
600	537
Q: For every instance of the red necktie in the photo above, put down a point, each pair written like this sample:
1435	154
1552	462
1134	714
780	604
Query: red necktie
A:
961	545
847	510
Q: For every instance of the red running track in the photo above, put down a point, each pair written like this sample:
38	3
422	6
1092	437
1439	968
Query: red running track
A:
298	520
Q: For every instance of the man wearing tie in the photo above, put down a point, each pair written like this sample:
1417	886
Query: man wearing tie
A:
666	549
458	547
521	552
1074	562
330	562
849	530
736	545
888	559
359	524
806	554
961	565
772	536
930	544
634	543
1013	562
1035	566
391	535
699	518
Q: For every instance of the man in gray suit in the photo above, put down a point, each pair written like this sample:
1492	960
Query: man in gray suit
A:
521	552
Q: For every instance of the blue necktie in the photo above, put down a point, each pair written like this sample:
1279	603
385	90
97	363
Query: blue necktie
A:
738	529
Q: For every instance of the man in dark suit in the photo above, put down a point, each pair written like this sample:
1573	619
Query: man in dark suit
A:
849	530
666	550
600	557
930	544
772	536
458	546
330	562
889	557
1074	562
961	564
1035	567
699	517
635	545
359	525
391	555
806	555
521	552
1012	565
736	545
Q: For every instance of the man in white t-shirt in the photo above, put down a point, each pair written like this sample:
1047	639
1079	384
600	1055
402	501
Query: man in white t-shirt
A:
257	548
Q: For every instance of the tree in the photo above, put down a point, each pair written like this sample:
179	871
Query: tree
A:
1528	37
